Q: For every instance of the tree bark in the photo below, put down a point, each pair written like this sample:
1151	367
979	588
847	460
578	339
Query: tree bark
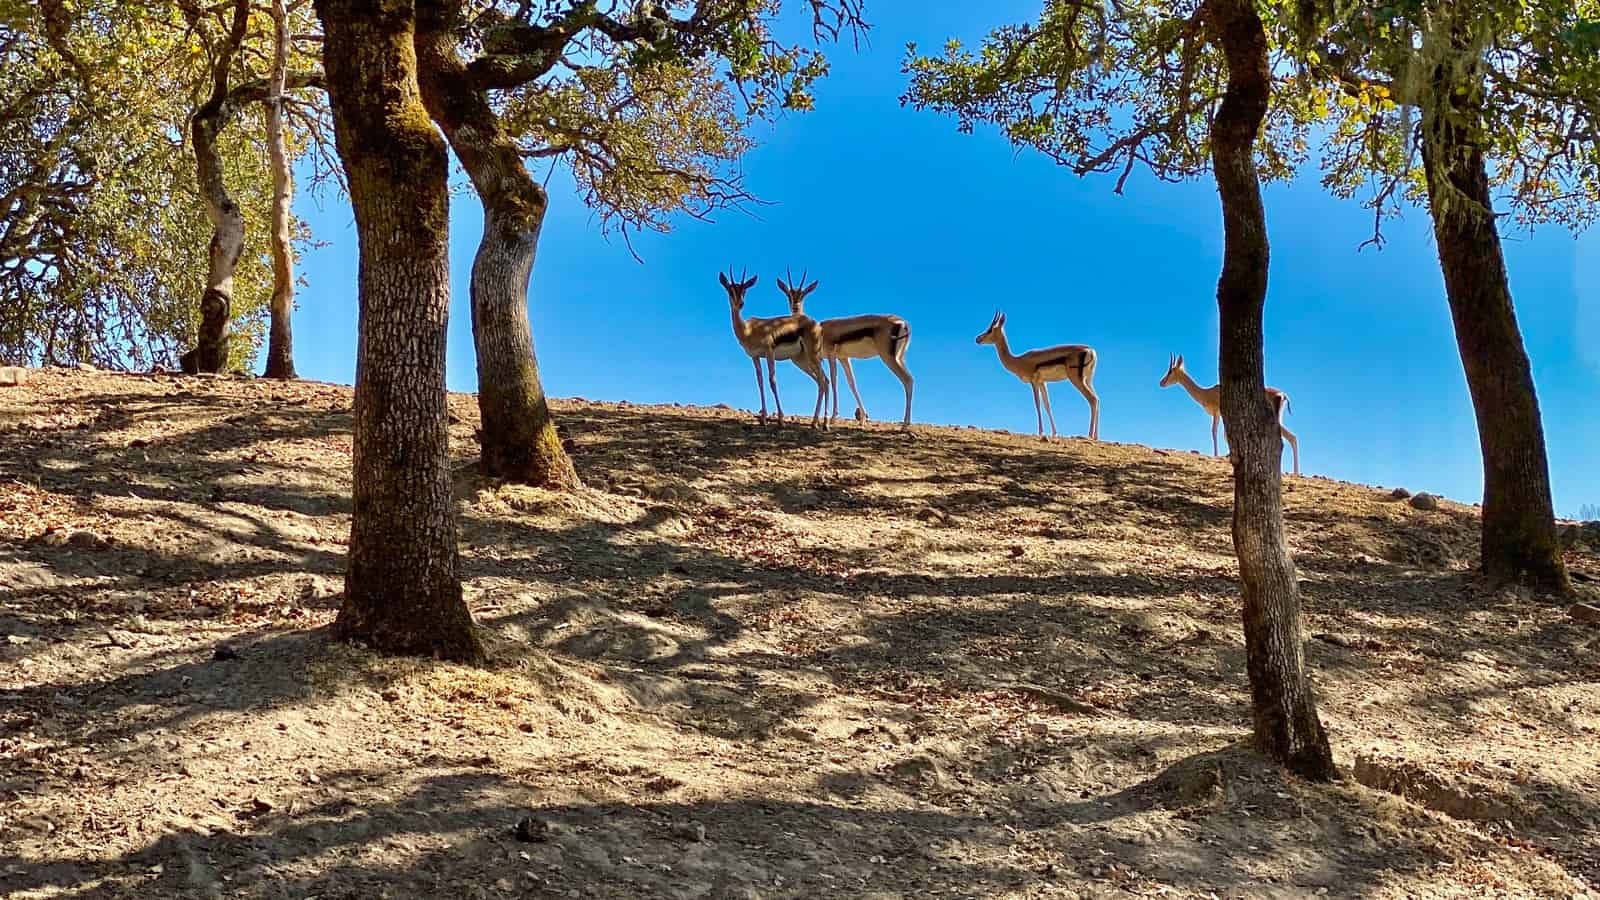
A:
227	221
402	588
1519	540
519	436
1287	727
280	339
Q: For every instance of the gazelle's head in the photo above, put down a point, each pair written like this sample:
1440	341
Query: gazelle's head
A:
797	292
1174	366
736	287
997	327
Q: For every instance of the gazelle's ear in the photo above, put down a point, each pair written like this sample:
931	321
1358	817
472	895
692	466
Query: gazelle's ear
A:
724	280
806	292
749	283
1001	321
1180	360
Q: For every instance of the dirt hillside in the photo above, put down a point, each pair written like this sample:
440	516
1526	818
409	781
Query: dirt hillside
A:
748	663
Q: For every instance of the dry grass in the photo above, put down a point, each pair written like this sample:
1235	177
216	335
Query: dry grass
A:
744	663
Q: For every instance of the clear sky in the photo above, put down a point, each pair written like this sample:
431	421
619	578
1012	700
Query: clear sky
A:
896	212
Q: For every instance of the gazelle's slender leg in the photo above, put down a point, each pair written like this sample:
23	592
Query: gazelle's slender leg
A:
1094	408
1036	410
761	386
822	397
1215	450
1294	445
850	375
833	386
901	372
1044	388
772	377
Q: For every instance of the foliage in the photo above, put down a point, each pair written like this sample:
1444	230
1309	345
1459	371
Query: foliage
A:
103	247
641	142
650	107
1533	70
1101	89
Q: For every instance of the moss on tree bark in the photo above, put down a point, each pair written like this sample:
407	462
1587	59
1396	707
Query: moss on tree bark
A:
402	588
519	440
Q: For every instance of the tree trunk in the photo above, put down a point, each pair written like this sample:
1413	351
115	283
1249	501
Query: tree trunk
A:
227	222
402	589
519	437
1519	540
280	340
1286	724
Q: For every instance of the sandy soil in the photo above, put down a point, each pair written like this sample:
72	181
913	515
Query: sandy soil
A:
748	663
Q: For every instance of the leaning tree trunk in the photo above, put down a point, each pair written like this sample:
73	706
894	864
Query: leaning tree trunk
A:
227	221
402	588
519	437
1519	540
1286	724
280	340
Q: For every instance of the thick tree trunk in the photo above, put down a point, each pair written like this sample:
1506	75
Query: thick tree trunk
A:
227	222
402	589
1286	724
280	339
519	437
1519	540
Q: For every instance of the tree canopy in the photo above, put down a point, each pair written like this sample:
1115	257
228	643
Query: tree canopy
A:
103	247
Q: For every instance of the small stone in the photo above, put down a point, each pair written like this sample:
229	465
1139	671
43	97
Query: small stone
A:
390	695
1016	551
1399	494
88	540
55	538
1584	612
224	652
13	376
1425	501
693	832
530	830
261	805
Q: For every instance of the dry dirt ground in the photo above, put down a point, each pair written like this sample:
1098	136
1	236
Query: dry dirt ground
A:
748	662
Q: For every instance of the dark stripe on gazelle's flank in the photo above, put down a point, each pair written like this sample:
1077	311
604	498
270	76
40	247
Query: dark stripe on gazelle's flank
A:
859	334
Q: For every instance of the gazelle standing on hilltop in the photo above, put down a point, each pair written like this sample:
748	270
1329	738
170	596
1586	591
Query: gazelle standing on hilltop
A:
856	337
795	338
1067	362
1210	400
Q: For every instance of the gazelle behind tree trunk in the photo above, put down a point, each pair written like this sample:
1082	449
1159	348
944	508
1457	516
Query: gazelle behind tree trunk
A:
796	338
857	337
1066	362
1210	400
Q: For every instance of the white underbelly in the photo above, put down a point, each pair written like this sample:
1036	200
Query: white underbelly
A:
865	348
1056	373
786	351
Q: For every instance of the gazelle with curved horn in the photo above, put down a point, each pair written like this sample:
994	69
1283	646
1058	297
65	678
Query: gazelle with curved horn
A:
794	338
1210	400
856	337
1067	362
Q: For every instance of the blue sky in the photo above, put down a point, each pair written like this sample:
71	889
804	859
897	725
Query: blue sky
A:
894	211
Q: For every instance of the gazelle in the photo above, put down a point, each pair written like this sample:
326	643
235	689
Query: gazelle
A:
857	337
795	338
1210	400
1067	362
